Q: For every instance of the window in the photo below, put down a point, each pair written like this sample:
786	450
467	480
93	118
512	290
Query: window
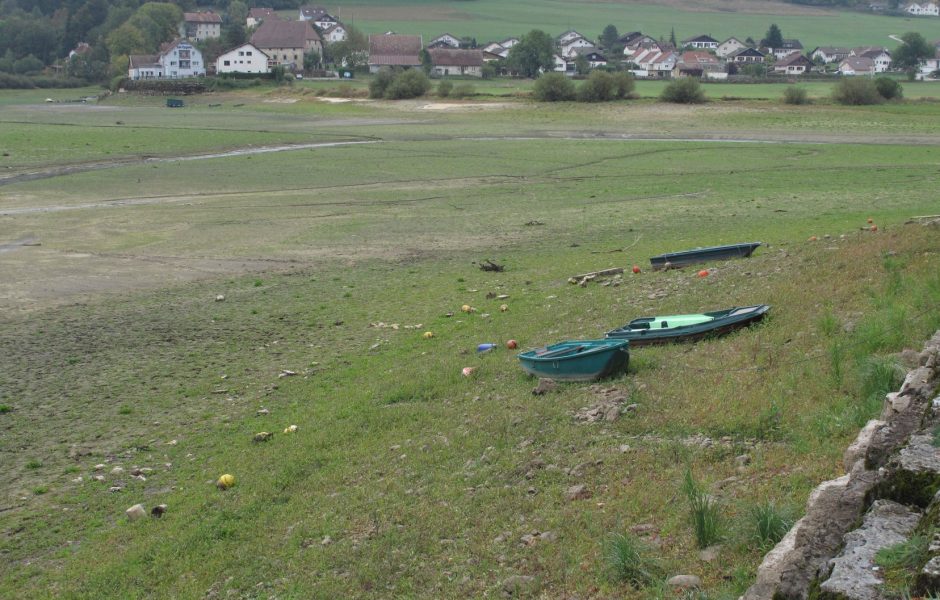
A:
248	53
241	53
226	63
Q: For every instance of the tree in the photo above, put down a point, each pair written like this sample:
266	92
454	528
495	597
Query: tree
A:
609	37
683	91
856	91
534	53
795	95
625	84
380	82
773	38
124	40
408	84
426	63
889	89
237	12
908	55
553	87
312	60
581	65
672	38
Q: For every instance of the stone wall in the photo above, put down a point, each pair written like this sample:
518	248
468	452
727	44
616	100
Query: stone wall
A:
889	491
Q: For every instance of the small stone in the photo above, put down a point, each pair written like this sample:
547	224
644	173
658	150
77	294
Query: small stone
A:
520	585
532	491
631	408
135	512
326	541
684	582
548	536
117	470
158	511
99	478
77	480
577	492
742	460
709	554
140	478
171	443
624	448
262	411
612	414
220	298
100	467
115	488
528	539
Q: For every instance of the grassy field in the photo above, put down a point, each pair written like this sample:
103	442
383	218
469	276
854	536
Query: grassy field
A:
489	20
404	478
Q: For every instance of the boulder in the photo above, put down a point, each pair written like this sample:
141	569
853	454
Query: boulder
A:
853	573
858	449
520	585
684	582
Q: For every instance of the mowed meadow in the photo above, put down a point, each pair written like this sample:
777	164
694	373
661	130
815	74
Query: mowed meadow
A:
405	478
494	20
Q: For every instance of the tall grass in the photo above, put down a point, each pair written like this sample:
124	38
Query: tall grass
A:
628	561
770	524
703	512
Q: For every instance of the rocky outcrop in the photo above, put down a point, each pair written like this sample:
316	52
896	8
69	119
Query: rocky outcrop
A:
889	459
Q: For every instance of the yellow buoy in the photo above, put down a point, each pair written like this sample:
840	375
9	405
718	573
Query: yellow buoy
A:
226	481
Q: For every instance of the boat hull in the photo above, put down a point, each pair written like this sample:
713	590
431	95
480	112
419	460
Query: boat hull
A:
700	255
725	322
600	359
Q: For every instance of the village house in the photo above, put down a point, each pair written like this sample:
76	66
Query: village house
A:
878	54
787	48
399	51
747	56
654	63
630	37
334	33
257	15
857	65
928	67
318	16
80	49
569	49
594	58
729	47
701	42
793	64
698	63
924	9
244	59
455	61
201	26
444	40
509	42
568	36
176	60
644	43
286	42
830	54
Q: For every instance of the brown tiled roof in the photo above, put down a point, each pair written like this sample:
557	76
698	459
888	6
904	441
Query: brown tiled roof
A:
698	58
395	50
202	17
451	57
274	33
791	59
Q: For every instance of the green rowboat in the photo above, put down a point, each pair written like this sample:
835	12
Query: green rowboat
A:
578	360
671	328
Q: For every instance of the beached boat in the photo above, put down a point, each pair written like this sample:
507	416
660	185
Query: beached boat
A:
578	360
698	255
659	330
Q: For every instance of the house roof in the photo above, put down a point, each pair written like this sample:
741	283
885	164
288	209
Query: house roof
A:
700	38
139	61
333	28
245	45
452	57
870	51
202	17
395	50
698	58
260	13
588	51
732	39
445	35
793	59
791	45
830	50
858	63
311	12
274	33
629	37
747	52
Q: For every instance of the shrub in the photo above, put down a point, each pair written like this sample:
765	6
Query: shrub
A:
703	512
463	90
28	65
444	88
380	83
795	95
598	87
856	91
683	91
624	84
889	89
628	562
553	87
770	524
408	84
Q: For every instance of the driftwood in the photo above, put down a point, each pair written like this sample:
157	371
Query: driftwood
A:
596	274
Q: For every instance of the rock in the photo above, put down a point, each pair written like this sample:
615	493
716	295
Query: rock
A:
854	573
643	528
548	536
624	448
117	470
544	386
262	436
220	298
520	585
115	488
577	492
135	512
709	554
928	580
612	414
262	411
100	467
528	539
158	511
98	477
742	460
631	408
858	449
684	582
326	541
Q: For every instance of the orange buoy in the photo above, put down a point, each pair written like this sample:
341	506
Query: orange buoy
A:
512	344
703	273
636	269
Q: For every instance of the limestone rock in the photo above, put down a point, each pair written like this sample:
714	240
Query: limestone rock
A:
928	580
544	386
858	449
135	512
853	574
577	492
710	554
684	582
